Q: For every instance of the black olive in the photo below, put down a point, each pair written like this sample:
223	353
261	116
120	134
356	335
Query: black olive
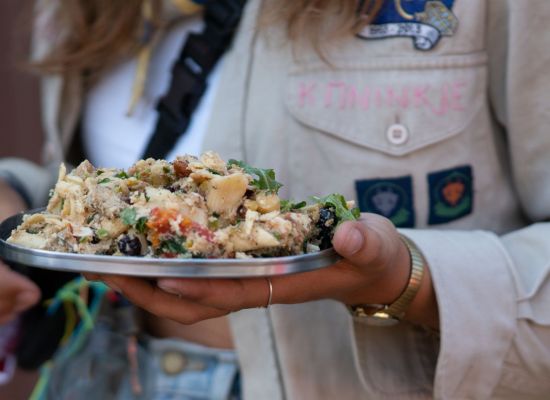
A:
131	246
326	224
241	212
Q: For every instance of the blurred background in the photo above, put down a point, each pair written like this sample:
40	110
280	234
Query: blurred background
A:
20	130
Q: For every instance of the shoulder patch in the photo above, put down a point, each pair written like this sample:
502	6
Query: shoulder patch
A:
451	194
390	197
425	21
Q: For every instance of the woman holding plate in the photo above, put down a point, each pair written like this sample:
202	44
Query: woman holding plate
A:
423	111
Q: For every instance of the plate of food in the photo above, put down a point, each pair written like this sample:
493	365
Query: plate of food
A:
193	217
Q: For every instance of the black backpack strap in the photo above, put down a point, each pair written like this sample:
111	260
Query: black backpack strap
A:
198	57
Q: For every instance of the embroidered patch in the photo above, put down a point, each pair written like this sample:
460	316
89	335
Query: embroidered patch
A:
391	197
425	21
451	194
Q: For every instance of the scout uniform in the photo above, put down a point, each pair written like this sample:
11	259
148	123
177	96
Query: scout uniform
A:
435	116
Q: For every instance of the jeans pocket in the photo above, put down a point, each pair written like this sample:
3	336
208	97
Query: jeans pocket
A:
101	369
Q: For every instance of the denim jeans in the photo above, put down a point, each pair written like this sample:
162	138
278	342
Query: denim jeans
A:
187	371
166	369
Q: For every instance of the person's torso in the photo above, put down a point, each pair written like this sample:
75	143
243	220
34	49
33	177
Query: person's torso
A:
398	119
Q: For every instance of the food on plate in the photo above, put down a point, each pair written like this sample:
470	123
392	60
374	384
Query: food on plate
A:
193	207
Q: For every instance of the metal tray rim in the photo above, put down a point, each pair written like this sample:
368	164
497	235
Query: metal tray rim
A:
157	267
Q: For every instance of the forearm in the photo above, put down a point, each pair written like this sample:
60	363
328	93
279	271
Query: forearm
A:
10	201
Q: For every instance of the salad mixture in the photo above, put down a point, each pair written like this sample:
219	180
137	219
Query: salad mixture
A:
193	207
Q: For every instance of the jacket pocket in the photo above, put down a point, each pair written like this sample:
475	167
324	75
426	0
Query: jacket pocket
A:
392	105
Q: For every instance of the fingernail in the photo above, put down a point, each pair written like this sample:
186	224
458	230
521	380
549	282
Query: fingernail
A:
169	287
353	243
24	300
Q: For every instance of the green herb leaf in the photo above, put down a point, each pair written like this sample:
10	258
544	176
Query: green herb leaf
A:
128	216
90	218
104	180
122	175
99	172
213	171
102	233
289	205
173	245
338	202
213	225
265	177
141	225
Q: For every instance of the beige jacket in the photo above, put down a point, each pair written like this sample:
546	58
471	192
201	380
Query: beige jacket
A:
444	128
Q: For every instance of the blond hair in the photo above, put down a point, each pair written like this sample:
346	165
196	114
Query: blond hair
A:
104	31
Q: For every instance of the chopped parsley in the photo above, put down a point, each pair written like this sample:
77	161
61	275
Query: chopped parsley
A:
213	224
288	205
174	246
213	171
104	180
90	218
141	225
128	216
122	175
102	233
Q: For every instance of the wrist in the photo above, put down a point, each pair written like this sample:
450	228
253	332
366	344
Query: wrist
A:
390	283
384	313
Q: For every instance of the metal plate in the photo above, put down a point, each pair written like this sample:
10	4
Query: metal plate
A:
158	267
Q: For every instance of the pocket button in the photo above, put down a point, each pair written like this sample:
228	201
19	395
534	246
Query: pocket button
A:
397	134
173	362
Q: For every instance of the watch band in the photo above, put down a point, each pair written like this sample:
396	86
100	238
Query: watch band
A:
392	313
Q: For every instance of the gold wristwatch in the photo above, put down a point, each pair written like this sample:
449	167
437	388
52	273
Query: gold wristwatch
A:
385	315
